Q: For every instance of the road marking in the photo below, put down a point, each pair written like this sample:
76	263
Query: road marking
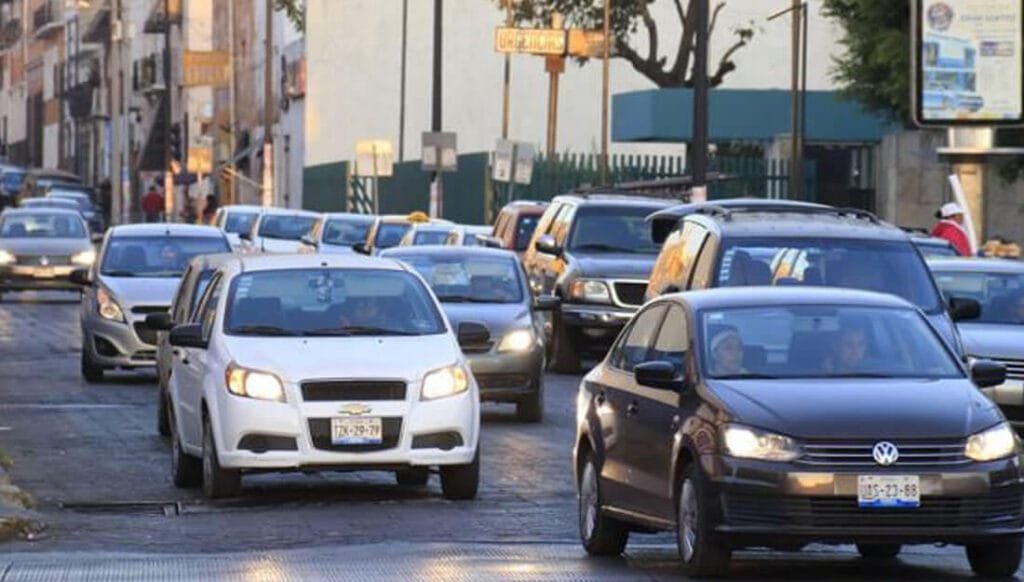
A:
82	406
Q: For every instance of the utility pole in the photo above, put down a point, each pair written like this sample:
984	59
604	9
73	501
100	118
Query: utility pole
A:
268	110
401	91
168	98
797	166
605	72
232	197
506	98
699	155
117	214
435	115
555	66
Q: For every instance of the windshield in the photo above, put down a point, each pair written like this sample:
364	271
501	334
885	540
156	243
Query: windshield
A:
83	201
1001	294
882	266
390	234
524	231
285	227
42	225
468	279
330	302
155	256
614	229
346	232
11	181
240	222
822	342
429	237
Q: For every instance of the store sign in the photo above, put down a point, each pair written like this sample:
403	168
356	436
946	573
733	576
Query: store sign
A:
968	62
206	69
534	41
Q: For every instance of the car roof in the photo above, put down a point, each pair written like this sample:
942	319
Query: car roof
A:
166	228
446	251
349	215
274	211
243	208
433	227
976	265
611	198
275	262
214	261
53	173
733	297
59	200
29	211
933	241
800	225
69	191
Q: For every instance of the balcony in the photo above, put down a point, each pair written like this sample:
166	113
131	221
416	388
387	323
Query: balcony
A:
148	75
48	18
10	34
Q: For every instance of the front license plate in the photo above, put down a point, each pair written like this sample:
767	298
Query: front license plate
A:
356	431
889	491
44	273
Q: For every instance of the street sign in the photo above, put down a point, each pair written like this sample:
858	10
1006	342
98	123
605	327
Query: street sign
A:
374	158
534	41
586	43
504	152
439	152
202	69
525	154
200	159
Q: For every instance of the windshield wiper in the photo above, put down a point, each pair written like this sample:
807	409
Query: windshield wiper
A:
603	248
859	375
116	273
746	376
354	330
271	330
463	299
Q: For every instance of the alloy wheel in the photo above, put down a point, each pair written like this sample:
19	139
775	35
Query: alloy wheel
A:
688	525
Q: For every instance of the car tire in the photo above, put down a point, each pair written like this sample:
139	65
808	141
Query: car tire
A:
700	552
461	482
600	535
218	482
413	477
879	551
564	358
91	371
531	408
999	559
186	470
163	421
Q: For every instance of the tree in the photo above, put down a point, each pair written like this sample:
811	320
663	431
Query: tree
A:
628	16
293	10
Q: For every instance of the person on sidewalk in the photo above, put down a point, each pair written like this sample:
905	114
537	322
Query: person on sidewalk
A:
950	227
153	204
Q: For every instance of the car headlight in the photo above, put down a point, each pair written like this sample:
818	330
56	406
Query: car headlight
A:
445	382
107	307
590	291
519	340
253	384
84	258
748	443
7	258
988	445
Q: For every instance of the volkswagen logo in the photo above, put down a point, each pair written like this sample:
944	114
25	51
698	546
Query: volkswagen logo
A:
885	453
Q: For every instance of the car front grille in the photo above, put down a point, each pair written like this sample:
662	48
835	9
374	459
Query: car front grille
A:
43	260
347	390
859	453
630	293
1003	508
497	381
1014	368
320	433
146	334
148	309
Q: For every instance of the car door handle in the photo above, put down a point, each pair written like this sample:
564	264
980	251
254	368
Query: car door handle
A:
632	409
600	399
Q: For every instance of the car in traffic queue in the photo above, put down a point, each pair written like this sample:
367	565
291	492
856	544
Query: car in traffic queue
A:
998	332
236	220
82	196
388	229
38	180
322	363
488	287
278	230
40	247
594	253
193	283
733	243
707	420
336	232
931	247
11	179
469	235
60	203
136	273
513	229
425	234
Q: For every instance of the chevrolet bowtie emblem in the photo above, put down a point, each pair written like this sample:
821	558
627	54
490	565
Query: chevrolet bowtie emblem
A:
355	409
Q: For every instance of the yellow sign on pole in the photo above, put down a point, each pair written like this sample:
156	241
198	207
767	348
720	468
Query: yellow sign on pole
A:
534	41
200	160
206	69
586	43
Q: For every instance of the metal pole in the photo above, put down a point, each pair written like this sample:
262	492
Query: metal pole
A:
506	99
796	166
435	114
401	105
267	186
605	72
168	175
803	92
232	197
184	156
699	156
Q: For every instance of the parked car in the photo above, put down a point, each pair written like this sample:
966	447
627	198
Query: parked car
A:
515	224
278	230
39	247
387	231
468	235
290	364
998	333
82	196
708	418
193	283
38	180
426	233
137	272
236	220
594	253
734	243
487	286
336	233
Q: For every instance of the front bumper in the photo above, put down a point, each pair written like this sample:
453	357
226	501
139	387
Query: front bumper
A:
32	277
507	377
760	503
115	344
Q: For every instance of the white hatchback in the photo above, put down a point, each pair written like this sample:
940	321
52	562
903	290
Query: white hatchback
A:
322	363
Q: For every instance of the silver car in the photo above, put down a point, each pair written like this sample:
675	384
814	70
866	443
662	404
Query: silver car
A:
484	286
136	274
336	232
39	248
998	333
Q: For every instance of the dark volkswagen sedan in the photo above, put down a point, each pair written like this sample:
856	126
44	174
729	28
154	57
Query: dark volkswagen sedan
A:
776	417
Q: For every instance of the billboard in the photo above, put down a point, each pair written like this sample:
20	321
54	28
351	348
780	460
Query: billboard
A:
968	62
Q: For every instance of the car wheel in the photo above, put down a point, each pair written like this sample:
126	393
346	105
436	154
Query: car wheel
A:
413	477
186	470
163	421
217	481
531	409
91	371
996	559
460	482
601	535
702	556
879	551
564	358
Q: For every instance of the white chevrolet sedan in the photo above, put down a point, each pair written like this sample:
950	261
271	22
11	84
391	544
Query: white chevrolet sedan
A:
322	363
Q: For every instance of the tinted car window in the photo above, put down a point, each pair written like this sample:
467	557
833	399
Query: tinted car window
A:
1001	294
469	279
240	222
615	229
636	347
42	225
672	340
429	237
524	231
201	284
345	232
390	234
285	227
11	181
155	256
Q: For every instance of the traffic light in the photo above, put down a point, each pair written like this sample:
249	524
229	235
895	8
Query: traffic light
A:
174	141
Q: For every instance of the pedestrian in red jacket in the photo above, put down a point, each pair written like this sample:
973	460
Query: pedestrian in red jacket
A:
950	227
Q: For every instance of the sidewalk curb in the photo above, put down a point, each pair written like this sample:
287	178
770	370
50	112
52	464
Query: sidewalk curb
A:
17	519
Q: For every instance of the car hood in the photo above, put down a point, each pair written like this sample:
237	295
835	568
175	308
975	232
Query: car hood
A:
993	340
615	265
499	318
858	409
45	246
142	290
278	245
299	359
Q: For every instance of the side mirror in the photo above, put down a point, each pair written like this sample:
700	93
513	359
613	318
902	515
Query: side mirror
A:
308	240
361	248
547	245
987	373
159	321
473	335
964	308
81	277
246	236
547	303
659	374
187	336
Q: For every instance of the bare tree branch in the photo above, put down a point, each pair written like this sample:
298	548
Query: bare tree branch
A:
725	64
652	35
647	68
714	18
682	64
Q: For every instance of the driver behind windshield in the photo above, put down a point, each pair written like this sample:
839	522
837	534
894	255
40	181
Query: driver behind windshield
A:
849	353
171	258
726	352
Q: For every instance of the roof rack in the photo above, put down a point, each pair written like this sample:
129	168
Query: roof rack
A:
676	188
727	211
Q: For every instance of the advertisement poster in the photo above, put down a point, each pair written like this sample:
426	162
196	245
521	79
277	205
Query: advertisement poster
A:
970	61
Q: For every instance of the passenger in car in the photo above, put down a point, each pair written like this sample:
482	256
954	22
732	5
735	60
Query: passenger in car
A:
726	352
849	351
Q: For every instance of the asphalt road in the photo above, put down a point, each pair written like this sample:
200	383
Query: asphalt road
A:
92	458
